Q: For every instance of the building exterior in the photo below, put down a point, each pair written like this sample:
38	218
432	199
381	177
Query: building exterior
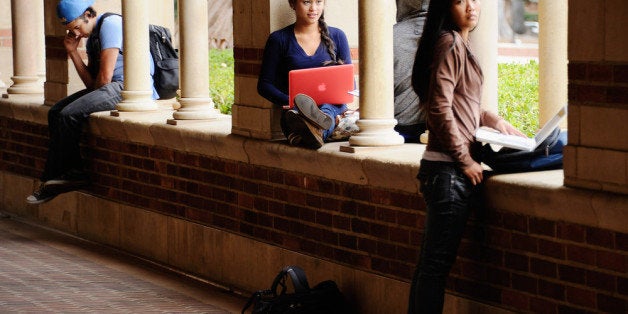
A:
211	195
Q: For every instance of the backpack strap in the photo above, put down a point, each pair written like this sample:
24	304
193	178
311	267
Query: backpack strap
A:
297	276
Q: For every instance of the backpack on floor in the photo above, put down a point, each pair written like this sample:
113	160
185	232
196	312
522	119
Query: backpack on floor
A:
165	58
324	298
548	155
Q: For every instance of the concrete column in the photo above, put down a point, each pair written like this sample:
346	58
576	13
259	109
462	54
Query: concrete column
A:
553	19
27	29
195	101
137	94
377	120
484	44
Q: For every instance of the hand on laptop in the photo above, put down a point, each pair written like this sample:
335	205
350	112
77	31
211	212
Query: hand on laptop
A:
505	127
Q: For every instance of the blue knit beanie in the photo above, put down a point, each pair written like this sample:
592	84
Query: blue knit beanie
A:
70	10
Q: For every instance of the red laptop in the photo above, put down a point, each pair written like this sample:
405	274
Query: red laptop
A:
326	85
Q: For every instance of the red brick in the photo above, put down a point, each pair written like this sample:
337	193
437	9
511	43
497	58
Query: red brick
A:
600	73
542	227
498	277
600	237
544	268
601	281
341	222
386	250
617	94
621	241
609	304
516	300
517	262
553	249
581	297
577	71
324	219
552	290
581	254
380	197
409	255
541	306
571	232
386	215
410	220
611	260
622	285
366	211
587	93
524	242
620	73
515	222
571	274
400	235
525	283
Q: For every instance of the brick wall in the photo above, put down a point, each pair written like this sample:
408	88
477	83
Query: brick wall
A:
510	260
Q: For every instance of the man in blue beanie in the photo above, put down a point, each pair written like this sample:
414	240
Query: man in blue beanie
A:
103	78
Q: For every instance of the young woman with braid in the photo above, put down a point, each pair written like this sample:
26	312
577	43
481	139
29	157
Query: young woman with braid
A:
307	43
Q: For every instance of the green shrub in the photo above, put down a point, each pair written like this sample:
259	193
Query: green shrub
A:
221	84
518	95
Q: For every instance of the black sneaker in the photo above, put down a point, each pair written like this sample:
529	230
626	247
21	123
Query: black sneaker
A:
41	195
309	109
69	181
307	134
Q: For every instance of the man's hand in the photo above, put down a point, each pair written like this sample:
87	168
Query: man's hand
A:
474	173
71	42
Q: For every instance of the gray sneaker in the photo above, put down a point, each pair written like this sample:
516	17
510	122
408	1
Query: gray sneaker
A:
310	111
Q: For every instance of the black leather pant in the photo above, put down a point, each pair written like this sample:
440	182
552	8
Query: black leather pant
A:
447	193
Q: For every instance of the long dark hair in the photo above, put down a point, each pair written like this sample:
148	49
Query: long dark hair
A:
325	38
439	20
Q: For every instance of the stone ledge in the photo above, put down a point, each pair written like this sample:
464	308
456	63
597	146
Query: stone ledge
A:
540	194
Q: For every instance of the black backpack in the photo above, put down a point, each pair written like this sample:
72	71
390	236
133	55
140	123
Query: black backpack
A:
324	298
165	58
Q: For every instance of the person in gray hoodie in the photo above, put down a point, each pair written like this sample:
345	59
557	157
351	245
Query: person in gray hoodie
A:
411	15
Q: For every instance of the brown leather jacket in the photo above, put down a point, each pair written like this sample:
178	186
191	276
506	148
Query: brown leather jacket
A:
453	106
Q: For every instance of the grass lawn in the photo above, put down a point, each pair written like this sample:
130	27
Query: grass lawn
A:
518	89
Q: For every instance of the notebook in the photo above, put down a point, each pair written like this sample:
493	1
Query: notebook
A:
326	85
517	142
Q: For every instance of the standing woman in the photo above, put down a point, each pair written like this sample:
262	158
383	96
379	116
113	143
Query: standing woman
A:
307	43
448	79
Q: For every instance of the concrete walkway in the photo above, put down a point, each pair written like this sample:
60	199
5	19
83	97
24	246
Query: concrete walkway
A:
43	271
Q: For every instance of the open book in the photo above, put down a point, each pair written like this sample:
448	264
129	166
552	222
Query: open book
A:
517	142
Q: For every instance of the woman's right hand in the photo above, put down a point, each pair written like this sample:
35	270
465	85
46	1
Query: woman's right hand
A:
474	173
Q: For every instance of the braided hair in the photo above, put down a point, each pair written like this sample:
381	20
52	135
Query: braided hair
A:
329	43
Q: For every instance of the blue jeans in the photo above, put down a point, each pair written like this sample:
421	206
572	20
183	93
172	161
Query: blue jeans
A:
65	124
447	193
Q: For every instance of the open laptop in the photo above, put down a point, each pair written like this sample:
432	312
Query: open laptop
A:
326	85
518	142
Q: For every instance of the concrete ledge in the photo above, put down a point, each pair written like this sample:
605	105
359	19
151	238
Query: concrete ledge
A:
391	167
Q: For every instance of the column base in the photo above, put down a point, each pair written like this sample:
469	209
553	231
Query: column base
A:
376	132
26	85
137	101
196	109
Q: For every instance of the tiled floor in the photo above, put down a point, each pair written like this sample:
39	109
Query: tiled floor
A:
42	271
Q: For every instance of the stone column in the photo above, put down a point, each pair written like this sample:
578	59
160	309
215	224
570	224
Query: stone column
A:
377	120
552	58
137	94
195	101
484	44
27	29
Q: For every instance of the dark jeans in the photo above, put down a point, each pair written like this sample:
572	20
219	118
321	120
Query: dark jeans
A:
65	124
447	193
